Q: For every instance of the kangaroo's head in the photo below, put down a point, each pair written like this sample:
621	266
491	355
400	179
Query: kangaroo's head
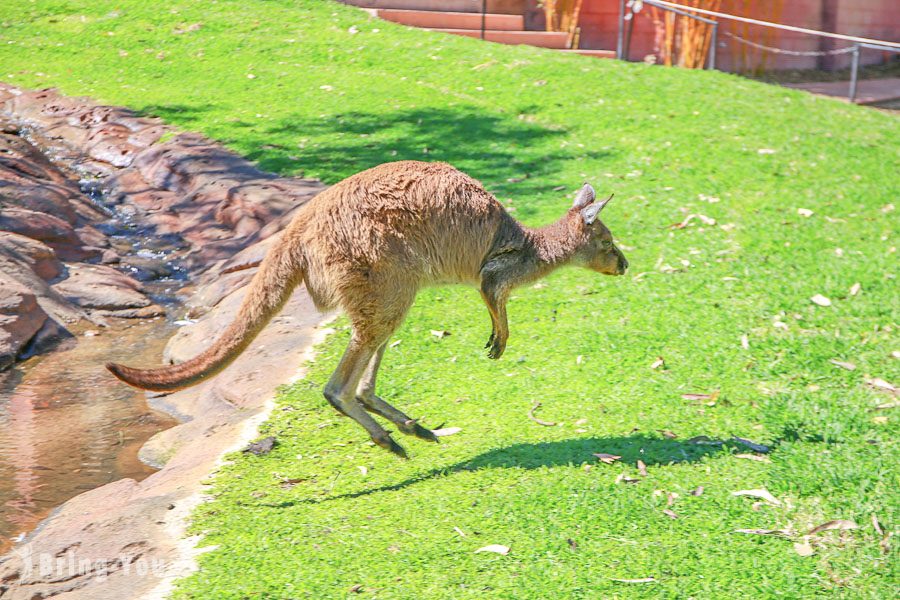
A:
599	253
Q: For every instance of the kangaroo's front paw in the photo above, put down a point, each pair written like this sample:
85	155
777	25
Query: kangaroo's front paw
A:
490	341
498	345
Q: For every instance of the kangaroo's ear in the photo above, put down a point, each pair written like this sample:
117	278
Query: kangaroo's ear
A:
585	196
590	212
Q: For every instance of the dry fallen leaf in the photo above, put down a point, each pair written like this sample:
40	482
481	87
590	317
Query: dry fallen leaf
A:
670	513
784	532
804	212
607	458
439	333
363	470
755	457
881	384
698	491
446	431
395	344
659	362
840	524
642	580
357	589
887	405
761	493
668	434
855	288
642	468
745	342
821	300
459	531
803	548
844	365
710	397
495	548
671	497
623	478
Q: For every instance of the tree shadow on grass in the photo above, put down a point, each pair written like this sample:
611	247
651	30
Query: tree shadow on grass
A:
652	451
494	148
512	157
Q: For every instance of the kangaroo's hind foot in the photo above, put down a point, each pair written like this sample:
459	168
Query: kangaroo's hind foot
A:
405	424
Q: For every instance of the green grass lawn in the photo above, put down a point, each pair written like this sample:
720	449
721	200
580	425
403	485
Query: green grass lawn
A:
315	88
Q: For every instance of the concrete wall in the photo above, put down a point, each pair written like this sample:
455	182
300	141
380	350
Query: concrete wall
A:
870	18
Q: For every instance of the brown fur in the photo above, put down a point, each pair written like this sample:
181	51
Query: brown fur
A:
368	244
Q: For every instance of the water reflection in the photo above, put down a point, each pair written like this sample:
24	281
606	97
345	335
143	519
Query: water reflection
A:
66	426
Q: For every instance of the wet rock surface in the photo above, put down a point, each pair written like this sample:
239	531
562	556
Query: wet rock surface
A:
129	219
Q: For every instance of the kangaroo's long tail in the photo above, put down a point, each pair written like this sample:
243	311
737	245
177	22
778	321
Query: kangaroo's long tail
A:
280	272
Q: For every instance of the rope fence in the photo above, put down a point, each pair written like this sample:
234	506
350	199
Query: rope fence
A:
859	43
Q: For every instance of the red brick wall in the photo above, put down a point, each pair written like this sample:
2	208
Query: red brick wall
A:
878	19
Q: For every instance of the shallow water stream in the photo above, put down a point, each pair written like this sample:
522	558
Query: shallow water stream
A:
66	426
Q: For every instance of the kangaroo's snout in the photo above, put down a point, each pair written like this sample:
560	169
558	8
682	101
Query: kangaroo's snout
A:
623	265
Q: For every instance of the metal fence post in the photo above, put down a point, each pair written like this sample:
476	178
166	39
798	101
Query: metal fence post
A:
712	48
483	16
854	73
619	38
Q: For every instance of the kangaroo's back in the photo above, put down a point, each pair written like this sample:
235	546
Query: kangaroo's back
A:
428	221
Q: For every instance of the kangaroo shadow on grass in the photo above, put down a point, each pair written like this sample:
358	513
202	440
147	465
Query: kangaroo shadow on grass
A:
652	451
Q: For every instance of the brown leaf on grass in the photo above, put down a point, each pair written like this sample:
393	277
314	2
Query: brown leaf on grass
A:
356	589
446	431
623	478
669	435
642	468
671	497
761	448
396	343
659	362
762	494
439	333
607	458
820	300
839	524
804	548
495	548
844	365
755	457
702	397
459	531
855	289
781	532
698	491
882	385
641	580
537	420
670	513
887	405
885	542
572	543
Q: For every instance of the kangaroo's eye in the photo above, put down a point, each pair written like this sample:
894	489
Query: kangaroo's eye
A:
606	244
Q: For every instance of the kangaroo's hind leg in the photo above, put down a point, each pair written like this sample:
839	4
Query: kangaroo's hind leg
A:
366	394
375	310
340	391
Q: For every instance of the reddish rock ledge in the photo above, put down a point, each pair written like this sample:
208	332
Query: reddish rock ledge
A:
127	539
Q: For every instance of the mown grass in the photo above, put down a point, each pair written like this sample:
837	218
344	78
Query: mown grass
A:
334	92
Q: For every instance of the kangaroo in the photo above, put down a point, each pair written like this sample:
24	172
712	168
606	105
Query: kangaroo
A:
368	244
